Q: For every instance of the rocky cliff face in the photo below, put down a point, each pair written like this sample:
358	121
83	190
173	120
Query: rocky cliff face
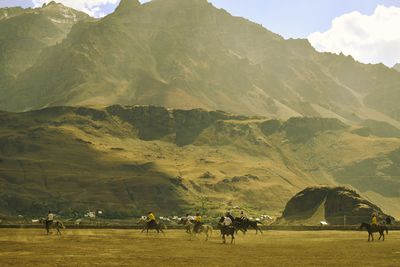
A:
25	33
127	160
339	205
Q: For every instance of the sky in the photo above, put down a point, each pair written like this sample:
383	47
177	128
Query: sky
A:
365	29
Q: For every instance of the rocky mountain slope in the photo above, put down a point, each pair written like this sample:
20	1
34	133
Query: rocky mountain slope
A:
25	33
336	205
128	160
189	54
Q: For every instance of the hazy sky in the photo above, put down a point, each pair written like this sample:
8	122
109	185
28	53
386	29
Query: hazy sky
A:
350	26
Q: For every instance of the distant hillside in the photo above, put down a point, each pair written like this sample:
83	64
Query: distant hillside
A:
188	54
128	160
336	205
24	33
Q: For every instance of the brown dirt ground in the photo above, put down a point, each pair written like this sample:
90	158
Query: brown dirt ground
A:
19	247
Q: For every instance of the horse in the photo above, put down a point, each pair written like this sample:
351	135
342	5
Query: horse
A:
55	224
253	224
159	227
243	224
189	226
239	225
184	222
226	231
375	229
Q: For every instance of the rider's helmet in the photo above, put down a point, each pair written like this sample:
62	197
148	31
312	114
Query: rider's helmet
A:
197	214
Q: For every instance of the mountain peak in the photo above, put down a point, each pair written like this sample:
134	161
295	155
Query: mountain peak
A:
126	5
397	67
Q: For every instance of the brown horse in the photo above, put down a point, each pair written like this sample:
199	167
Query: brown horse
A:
159	227
375	229
55	224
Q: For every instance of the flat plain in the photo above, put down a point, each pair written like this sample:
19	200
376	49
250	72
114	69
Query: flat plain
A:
21	247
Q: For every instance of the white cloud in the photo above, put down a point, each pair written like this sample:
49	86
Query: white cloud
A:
369	39
92	7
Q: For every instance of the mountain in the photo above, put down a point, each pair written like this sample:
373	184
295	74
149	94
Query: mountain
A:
25	33
128	160
397	67
336	205
188	54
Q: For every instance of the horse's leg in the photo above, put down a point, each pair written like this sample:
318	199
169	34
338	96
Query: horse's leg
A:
162	231
223	237
259	229
233	238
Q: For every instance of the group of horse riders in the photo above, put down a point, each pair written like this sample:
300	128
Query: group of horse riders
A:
197	220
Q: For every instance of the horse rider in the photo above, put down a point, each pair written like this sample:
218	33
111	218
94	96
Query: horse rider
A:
197	223
49	219
374	220
227	220
228	214
151	220
243	216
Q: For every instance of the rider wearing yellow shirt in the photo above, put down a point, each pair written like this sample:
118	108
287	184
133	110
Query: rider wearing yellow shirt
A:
374	221
151	219
197	223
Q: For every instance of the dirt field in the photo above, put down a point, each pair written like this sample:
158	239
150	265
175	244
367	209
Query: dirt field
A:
130	248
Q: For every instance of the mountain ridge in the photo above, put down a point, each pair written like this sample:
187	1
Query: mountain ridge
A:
188	54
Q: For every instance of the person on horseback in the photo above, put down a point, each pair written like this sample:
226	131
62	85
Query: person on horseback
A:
227	221
49	219
243	216
374	220
151	220
228	214
197	223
